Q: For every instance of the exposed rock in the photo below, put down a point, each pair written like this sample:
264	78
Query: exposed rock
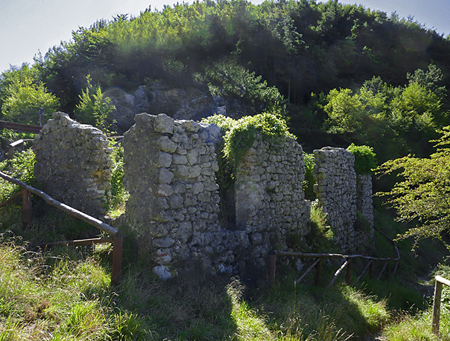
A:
179	103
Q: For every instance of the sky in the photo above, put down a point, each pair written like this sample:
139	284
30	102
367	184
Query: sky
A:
28	27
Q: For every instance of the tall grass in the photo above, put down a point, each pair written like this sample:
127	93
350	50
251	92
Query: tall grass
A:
56	297
70	300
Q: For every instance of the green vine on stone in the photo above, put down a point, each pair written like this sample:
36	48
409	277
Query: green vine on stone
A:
241	134
365	159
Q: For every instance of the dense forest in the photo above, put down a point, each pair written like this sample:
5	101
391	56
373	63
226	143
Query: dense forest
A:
338	73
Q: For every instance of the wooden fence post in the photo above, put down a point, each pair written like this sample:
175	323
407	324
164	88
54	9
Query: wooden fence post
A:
116	272
439	282
437	307
27	208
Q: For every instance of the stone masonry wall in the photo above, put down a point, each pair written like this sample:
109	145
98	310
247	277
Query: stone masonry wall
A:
170	174
270	202
173	208
170	168
73	163
364	204
336	192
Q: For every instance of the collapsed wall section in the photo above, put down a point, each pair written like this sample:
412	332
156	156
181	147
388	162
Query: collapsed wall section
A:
336	192
73	163
170	175
270	202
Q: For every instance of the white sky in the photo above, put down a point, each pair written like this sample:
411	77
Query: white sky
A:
30	26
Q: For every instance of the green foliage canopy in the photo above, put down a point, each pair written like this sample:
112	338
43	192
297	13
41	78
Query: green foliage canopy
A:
379	114
229	79
422	191
24	96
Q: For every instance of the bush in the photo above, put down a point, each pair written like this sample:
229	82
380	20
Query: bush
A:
240	134
21	167
308	183
118	195
365	159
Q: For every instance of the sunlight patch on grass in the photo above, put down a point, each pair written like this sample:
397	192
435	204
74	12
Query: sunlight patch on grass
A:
250	325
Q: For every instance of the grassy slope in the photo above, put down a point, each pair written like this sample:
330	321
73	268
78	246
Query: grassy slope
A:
65	294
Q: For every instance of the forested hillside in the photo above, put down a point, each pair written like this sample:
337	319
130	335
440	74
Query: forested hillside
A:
340	73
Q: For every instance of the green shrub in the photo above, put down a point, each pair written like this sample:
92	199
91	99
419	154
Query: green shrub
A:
21	167
320	237
241	134
365	159
118	195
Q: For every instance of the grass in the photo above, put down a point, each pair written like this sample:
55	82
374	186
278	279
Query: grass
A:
69	300
57	296
65	294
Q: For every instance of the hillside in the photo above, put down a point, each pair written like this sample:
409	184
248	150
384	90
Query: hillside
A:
338	74
284	57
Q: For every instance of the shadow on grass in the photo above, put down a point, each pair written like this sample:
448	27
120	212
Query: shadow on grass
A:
197	306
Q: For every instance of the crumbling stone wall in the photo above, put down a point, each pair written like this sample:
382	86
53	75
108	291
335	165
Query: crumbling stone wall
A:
170	175
270	202
173	208
73	163
364	204
336	191
364	201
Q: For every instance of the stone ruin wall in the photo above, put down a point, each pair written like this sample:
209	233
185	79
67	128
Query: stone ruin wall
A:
170	175
364	205
341	193
270	201
173	207
73	164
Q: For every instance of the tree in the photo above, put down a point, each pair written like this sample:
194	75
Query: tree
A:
345	110
94	108
229	79
422	192
24	97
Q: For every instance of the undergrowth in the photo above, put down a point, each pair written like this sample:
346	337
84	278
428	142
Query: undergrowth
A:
118	194
69	300
65	294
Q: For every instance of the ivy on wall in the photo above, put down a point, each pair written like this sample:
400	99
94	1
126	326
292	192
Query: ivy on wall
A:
365	159
241	134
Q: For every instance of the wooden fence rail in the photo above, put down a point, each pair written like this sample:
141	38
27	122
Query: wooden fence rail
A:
25	128
346	265
117	239
438	286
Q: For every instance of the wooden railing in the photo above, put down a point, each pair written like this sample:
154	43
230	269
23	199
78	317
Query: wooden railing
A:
438	286
25	128
346	265
12	147
116	239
